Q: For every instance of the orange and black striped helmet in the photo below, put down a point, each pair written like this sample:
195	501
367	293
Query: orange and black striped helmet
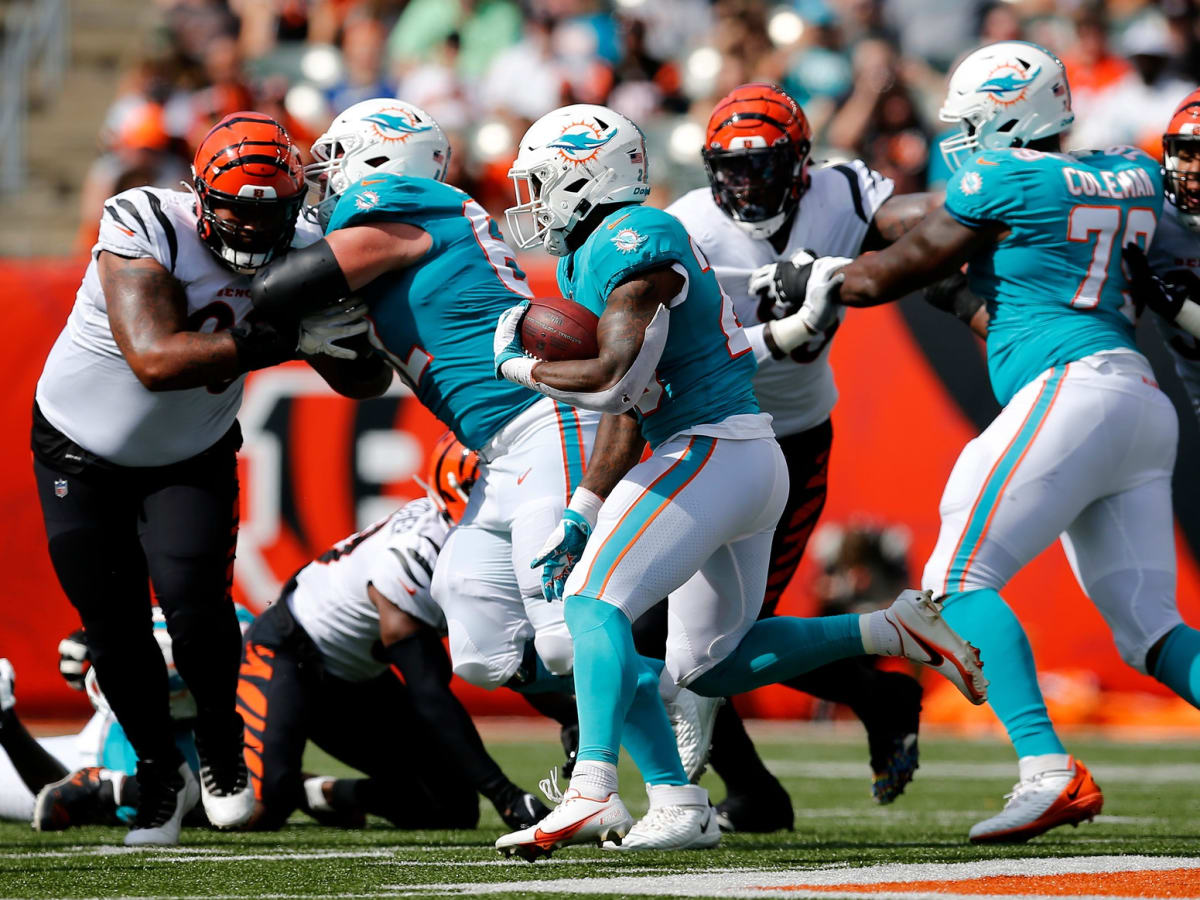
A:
452	473
1183	133
249	185
756	153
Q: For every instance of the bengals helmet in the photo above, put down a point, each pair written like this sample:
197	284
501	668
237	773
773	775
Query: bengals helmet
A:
1182	188
756	153
452	473
249	187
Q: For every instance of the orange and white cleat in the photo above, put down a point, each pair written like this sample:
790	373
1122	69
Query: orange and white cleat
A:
576	819
927	639
1047	800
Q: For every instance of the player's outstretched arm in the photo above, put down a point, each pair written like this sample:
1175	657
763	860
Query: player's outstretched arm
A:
934	249
898	215
147	311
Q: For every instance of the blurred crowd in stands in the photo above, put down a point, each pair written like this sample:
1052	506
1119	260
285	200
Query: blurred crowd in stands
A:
870	74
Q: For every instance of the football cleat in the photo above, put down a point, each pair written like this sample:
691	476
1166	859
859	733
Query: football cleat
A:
577	819
679	818
165	798
520	810
692	719
892	726
765	808
927	639
1045	801
224	780
85	797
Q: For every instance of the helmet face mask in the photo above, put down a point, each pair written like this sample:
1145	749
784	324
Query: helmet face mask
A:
1181	161
571	161
383	135
756	156
249	188
1006	94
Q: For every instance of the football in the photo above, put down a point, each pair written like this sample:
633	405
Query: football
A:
555	329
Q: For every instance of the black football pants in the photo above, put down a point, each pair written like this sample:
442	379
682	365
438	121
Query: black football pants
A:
286	699
113	531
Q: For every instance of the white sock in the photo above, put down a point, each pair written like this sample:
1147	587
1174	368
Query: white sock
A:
594	779
676	795
879	636
1042	763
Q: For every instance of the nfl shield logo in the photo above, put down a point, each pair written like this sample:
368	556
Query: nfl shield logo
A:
60	487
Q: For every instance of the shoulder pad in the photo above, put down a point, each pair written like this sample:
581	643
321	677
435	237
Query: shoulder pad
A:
386	196
136	223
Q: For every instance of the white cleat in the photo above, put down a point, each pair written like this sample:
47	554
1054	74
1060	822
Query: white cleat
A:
158	823
8	680
1045	801
575	820
230	806
693	718
679	818
926	638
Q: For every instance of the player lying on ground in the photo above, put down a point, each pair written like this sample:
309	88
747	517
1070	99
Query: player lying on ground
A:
435	273
765	204
694	521
350	657
1084	448
135	440
87	778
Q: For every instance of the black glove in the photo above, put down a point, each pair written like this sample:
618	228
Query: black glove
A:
952	295
262	344
73	660
781	286
1163	294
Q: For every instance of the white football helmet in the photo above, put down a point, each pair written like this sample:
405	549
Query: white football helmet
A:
380	135
1005	95
569	162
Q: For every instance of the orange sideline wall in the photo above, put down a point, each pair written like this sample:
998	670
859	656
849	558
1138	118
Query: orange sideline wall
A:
314	463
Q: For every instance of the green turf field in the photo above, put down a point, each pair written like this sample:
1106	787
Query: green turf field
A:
1152	795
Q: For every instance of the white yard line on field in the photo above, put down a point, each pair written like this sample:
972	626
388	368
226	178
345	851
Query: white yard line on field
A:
1159	773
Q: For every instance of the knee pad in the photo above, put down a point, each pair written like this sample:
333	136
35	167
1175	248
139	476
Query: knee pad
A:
478	673
557	652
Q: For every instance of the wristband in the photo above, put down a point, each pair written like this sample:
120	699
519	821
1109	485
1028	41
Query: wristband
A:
1188	318
520	370
789	333
587	504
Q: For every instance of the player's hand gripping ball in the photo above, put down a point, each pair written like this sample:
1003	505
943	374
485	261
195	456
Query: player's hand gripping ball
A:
555	329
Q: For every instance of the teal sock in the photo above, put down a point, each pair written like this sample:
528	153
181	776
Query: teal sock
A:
780	648
985	620
1178	665
607	672
648	735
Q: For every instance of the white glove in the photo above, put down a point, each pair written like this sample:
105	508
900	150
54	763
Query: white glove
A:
820	310
320	332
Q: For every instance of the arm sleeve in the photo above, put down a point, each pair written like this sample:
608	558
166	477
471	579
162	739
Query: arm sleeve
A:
987	190
134	224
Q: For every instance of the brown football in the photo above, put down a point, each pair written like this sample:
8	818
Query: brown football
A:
555	329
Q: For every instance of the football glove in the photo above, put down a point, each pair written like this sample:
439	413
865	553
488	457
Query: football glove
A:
320	332
564	547
73	660
783	283
1163	294
506	345
261	344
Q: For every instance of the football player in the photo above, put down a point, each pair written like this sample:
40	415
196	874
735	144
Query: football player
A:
325	663
694	521
1084	448
765	204
135	441
436	273
1175	254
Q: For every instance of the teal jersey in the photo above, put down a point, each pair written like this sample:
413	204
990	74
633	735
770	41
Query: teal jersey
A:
1054	286
435	319
704	373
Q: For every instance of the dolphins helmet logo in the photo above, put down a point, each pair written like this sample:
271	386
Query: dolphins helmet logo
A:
1008	83
396	124
580	142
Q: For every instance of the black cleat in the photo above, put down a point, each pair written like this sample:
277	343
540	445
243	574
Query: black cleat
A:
519	809
766	808
570	744
892	736
85	797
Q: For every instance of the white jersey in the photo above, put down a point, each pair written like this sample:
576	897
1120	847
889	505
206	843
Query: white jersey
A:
798	391
1178	247
396	556
87	390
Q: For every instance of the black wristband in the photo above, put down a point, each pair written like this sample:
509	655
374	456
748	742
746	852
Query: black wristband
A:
300	283
261	345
